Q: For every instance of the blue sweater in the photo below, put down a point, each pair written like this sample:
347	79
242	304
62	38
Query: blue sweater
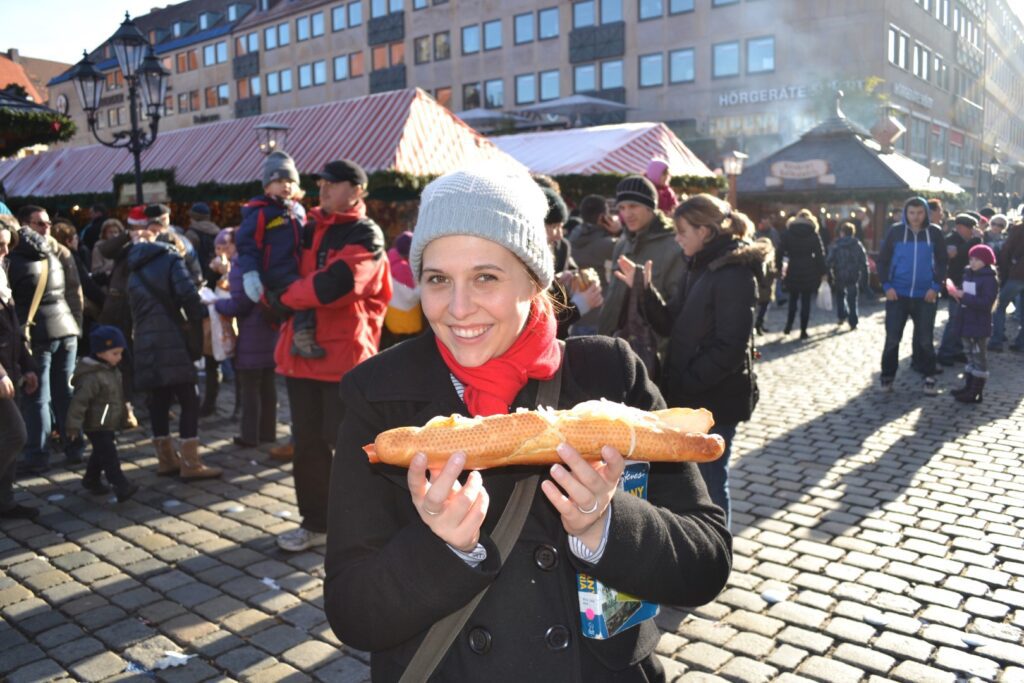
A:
912	263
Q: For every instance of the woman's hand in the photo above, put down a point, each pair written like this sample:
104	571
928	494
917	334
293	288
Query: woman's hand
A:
627	272
590	488
452	511
592	295
6	387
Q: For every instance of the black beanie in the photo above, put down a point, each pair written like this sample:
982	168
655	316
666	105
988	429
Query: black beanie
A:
637	189
558	212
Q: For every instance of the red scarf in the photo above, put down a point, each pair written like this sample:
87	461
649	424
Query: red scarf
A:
355	213
491	388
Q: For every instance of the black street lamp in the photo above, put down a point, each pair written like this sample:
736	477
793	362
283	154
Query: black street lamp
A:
271	136
146	80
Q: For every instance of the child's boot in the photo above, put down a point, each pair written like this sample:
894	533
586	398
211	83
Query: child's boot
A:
304	345
192	466
168	461
964	389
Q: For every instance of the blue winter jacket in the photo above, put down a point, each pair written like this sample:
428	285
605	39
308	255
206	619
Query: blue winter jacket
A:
912	264
269	241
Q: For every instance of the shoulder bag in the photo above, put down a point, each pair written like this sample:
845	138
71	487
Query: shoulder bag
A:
193	340
441	635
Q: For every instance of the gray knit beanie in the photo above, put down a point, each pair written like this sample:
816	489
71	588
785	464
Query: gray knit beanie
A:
279	166
636	188
505	207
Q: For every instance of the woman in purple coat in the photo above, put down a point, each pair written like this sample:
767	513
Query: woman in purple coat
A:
254	362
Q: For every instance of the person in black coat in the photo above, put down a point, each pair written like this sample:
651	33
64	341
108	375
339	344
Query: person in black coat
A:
709	323
570	304
159	287
403	553
804	267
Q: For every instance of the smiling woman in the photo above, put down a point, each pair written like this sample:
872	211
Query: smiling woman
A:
412	552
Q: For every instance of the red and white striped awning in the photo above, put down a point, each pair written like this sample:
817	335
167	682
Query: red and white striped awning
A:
620	148
403	130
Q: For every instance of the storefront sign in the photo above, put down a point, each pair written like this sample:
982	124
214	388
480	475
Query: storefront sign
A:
783	93
799	170
912	95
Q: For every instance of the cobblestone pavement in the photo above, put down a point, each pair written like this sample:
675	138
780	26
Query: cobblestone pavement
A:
878	537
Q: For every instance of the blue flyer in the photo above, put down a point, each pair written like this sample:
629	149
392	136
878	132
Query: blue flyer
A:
604	611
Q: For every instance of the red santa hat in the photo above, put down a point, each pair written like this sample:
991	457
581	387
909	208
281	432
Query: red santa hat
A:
137	217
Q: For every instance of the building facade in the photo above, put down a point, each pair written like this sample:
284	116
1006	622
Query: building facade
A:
724	74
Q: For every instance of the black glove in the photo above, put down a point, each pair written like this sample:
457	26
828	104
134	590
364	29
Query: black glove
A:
280	311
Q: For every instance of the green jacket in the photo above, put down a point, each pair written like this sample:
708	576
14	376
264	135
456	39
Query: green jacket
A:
654	243
98	402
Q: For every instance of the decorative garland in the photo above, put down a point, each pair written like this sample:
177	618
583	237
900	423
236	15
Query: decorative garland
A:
23	128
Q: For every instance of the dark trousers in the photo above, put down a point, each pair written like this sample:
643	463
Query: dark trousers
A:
716	473
846	303
56	361
160	402
316	415
104	459
951	344
762	310
259	405
922	314
12	440
804	299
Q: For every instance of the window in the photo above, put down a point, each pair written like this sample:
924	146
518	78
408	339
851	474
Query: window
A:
379	57
651	9
470	39
283	32
355	65
233	12
247	44
725	60
611	74
270	38
444	96
302	30
526	89
680	66
305	76
652	70
215	54
210	95
760	55
338	17
178	29
397	51
549	86
470	96
317	24
680	6
183	102
492	35
720	3
193	100
421	50
922	62
898	47
168	105
222	93
523	24
378	8
242	88
187	61
255	86
205	21
419	4
442	46
355	14
583	14
611	11
584	78
547	23
494	94
341	68
273	83
286	80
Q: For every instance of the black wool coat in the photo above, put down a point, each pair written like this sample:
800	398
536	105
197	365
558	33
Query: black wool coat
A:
160	352
801	244
709	324
389	578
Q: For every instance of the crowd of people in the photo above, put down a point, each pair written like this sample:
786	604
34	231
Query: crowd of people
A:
499	298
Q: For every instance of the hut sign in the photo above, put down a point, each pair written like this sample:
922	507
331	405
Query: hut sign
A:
799	170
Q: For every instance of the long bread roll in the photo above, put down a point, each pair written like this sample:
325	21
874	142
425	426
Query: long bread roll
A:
531	437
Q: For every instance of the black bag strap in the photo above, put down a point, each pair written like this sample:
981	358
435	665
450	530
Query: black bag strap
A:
506	532
176	317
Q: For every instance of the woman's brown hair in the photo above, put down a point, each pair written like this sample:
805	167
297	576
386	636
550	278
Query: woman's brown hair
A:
63	231
716	215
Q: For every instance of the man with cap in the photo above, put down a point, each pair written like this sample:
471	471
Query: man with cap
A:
269	243
958	245
345	279
202	233
649	236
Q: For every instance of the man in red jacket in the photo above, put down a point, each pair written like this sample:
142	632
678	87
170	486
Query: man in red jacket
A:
345	278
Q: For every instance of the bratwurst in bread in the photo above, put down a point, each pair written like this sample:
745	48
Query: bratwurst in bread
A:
530	437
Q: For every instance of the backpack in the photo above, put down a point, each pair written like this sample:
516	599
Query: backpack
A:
848	263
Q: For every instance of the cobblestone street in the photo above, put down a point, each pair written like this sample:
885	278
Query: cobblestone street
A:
878	537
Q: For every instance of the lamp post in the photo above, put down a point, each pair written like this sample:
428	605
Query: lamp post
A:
271	136
993	169
732	165
146	80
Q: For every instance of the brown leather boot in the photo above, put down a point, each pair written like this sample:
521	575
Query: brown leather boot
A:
192	466
167	459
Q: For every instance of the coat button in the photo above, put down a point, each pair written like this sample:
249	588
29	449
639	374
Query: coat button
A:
479	640
545	557
557	638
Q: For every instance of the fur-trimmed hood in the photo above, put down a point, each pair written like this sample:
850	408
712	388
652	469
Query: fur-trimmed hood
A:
751	254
